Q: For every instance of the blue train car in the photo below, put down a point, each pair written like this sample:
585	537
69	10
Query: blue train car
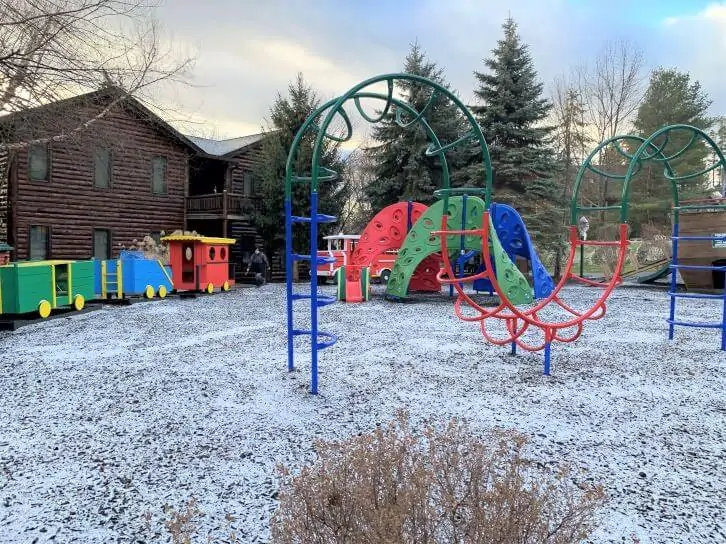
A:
132	275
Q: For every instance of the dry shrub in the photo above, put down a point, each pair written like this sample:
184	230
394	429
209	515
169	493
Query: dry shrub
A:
396	485
656	244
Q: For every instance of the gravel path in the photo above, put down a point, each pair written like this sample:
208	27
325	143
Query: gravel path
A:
108	417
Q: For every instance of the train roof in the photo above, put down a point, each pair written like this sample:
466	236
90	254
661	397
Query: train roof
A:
342	237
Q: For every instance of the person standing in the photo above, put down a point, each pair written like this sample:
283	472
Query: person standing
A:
259	265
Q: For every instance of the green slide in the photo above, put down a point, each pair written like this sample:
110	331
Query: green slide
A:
420	243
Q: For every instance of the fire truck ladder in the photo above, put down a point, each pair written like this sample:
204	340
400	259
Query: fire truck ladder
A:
319	339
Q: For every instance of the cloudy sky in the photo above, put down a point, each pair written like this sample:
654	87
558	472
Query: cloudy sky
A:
248	50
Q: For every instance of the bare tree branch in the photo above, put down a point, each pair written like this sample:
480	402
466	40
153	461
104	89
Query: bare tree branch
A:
55	49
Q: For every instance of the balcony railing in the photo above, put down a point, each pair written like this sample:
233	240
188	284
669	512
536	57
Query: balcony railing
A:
222	204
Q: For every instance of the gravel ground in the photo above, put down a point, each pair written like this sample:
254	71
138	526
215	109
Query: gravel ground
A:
109	417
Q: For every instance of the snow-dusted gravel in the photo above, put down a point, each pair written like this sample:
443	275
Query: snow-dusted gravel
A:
106	417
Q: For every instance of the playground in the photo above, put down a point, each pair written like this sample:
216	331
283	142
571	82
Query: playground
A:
184	404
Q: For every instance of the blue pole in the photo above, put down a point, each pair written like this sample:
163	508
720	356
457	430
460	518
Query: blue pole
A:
409	223
547	359
723	318
514	348
288	276
314	292
674	274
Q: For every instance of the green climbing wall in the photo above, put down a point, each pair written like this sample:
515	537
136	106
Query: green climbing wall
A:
420	243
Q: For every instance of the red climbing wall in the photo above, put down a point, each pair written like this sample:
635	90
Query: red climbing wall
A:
387	231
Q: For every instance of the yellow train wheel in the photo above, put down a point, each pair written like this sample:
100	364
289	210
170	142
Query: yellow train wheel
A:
149	292
79	302
225	286
44	309
162	291
210	288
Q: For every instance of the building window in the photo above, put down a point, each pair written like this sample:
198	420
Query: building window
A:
102	167
38	162
156	236
249	184
158	175
101	244
39	243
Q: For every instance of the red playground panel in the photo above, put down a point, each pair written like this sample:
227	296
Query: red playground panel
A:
200	263
384	236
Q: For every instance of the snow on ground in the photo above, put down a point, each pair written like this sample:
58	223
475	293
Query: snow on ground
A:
106	417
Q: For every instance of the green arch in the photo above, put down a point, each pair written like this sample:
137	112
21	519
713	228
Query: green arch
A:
647	150
335	108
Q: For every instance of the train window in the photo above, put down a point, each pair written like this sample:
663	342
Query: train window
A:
212	253
39	243
223	253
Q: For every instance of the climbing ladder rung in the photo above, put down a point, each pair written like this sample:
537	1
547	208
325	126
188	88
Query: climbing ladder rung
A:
318	260
701	207
698	238
696	325
331	338
321	218
322	300
324	174
698	295
698	267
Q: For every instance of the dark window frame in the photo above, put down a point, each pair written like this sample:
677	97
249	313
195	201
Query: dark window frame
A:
164	178
247	176
109	243
110	168
48	241
48	160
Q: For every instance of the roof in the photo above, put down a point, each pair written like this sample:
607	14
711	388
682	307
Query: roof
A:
222	148
342	237
198	238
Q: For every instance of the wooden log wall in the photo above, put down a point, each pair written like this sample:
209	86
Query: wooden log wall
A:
4	217
73	207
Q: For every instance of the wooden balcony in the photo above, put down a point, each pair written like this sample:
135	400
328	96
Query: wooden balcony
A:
222	205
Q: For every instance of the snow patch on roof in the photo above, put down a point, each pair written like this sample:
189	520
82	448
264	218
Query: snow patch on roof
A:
220	148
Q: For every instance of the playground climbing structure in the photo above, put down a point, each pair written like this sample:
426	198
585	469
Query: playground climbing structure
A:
475	227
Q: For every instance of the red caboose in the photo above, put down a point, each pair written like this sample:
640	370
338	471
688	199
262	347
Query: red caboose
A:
200	263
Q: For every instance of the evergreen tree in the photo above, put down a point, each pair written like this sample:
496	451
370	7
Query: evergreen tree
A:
512	113
671	98
402	170
287	115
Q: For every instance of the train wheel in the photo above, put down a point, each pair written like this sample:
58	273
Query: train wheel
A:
149	292
162	291
44	309
79	302
225	286
210	288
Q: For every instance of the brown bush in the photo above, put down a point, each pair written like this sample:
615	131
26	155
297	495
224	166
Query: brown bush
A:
396	485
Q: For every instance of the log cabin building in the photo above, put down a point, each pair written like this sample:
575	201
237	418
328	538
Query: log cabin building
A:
67	193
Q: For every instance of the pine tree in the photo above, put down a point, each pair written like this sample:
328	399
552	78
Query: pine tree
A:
511	113
287	115
402	170
671	98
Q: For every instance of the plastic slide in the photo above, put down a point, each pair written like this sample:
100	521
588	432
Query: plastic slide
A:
463	213
516	241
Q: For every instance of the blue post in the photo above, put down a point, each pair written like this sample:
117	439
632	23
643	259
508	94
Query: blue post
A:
723	318
547	359
314	292
514	348
288	276
674	274
409	223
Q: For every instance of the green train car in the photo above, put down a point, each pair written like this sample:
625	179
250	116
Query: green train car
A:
42	286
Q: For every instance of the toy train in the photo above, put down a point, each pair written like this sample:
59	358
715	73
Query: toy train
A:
196	264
